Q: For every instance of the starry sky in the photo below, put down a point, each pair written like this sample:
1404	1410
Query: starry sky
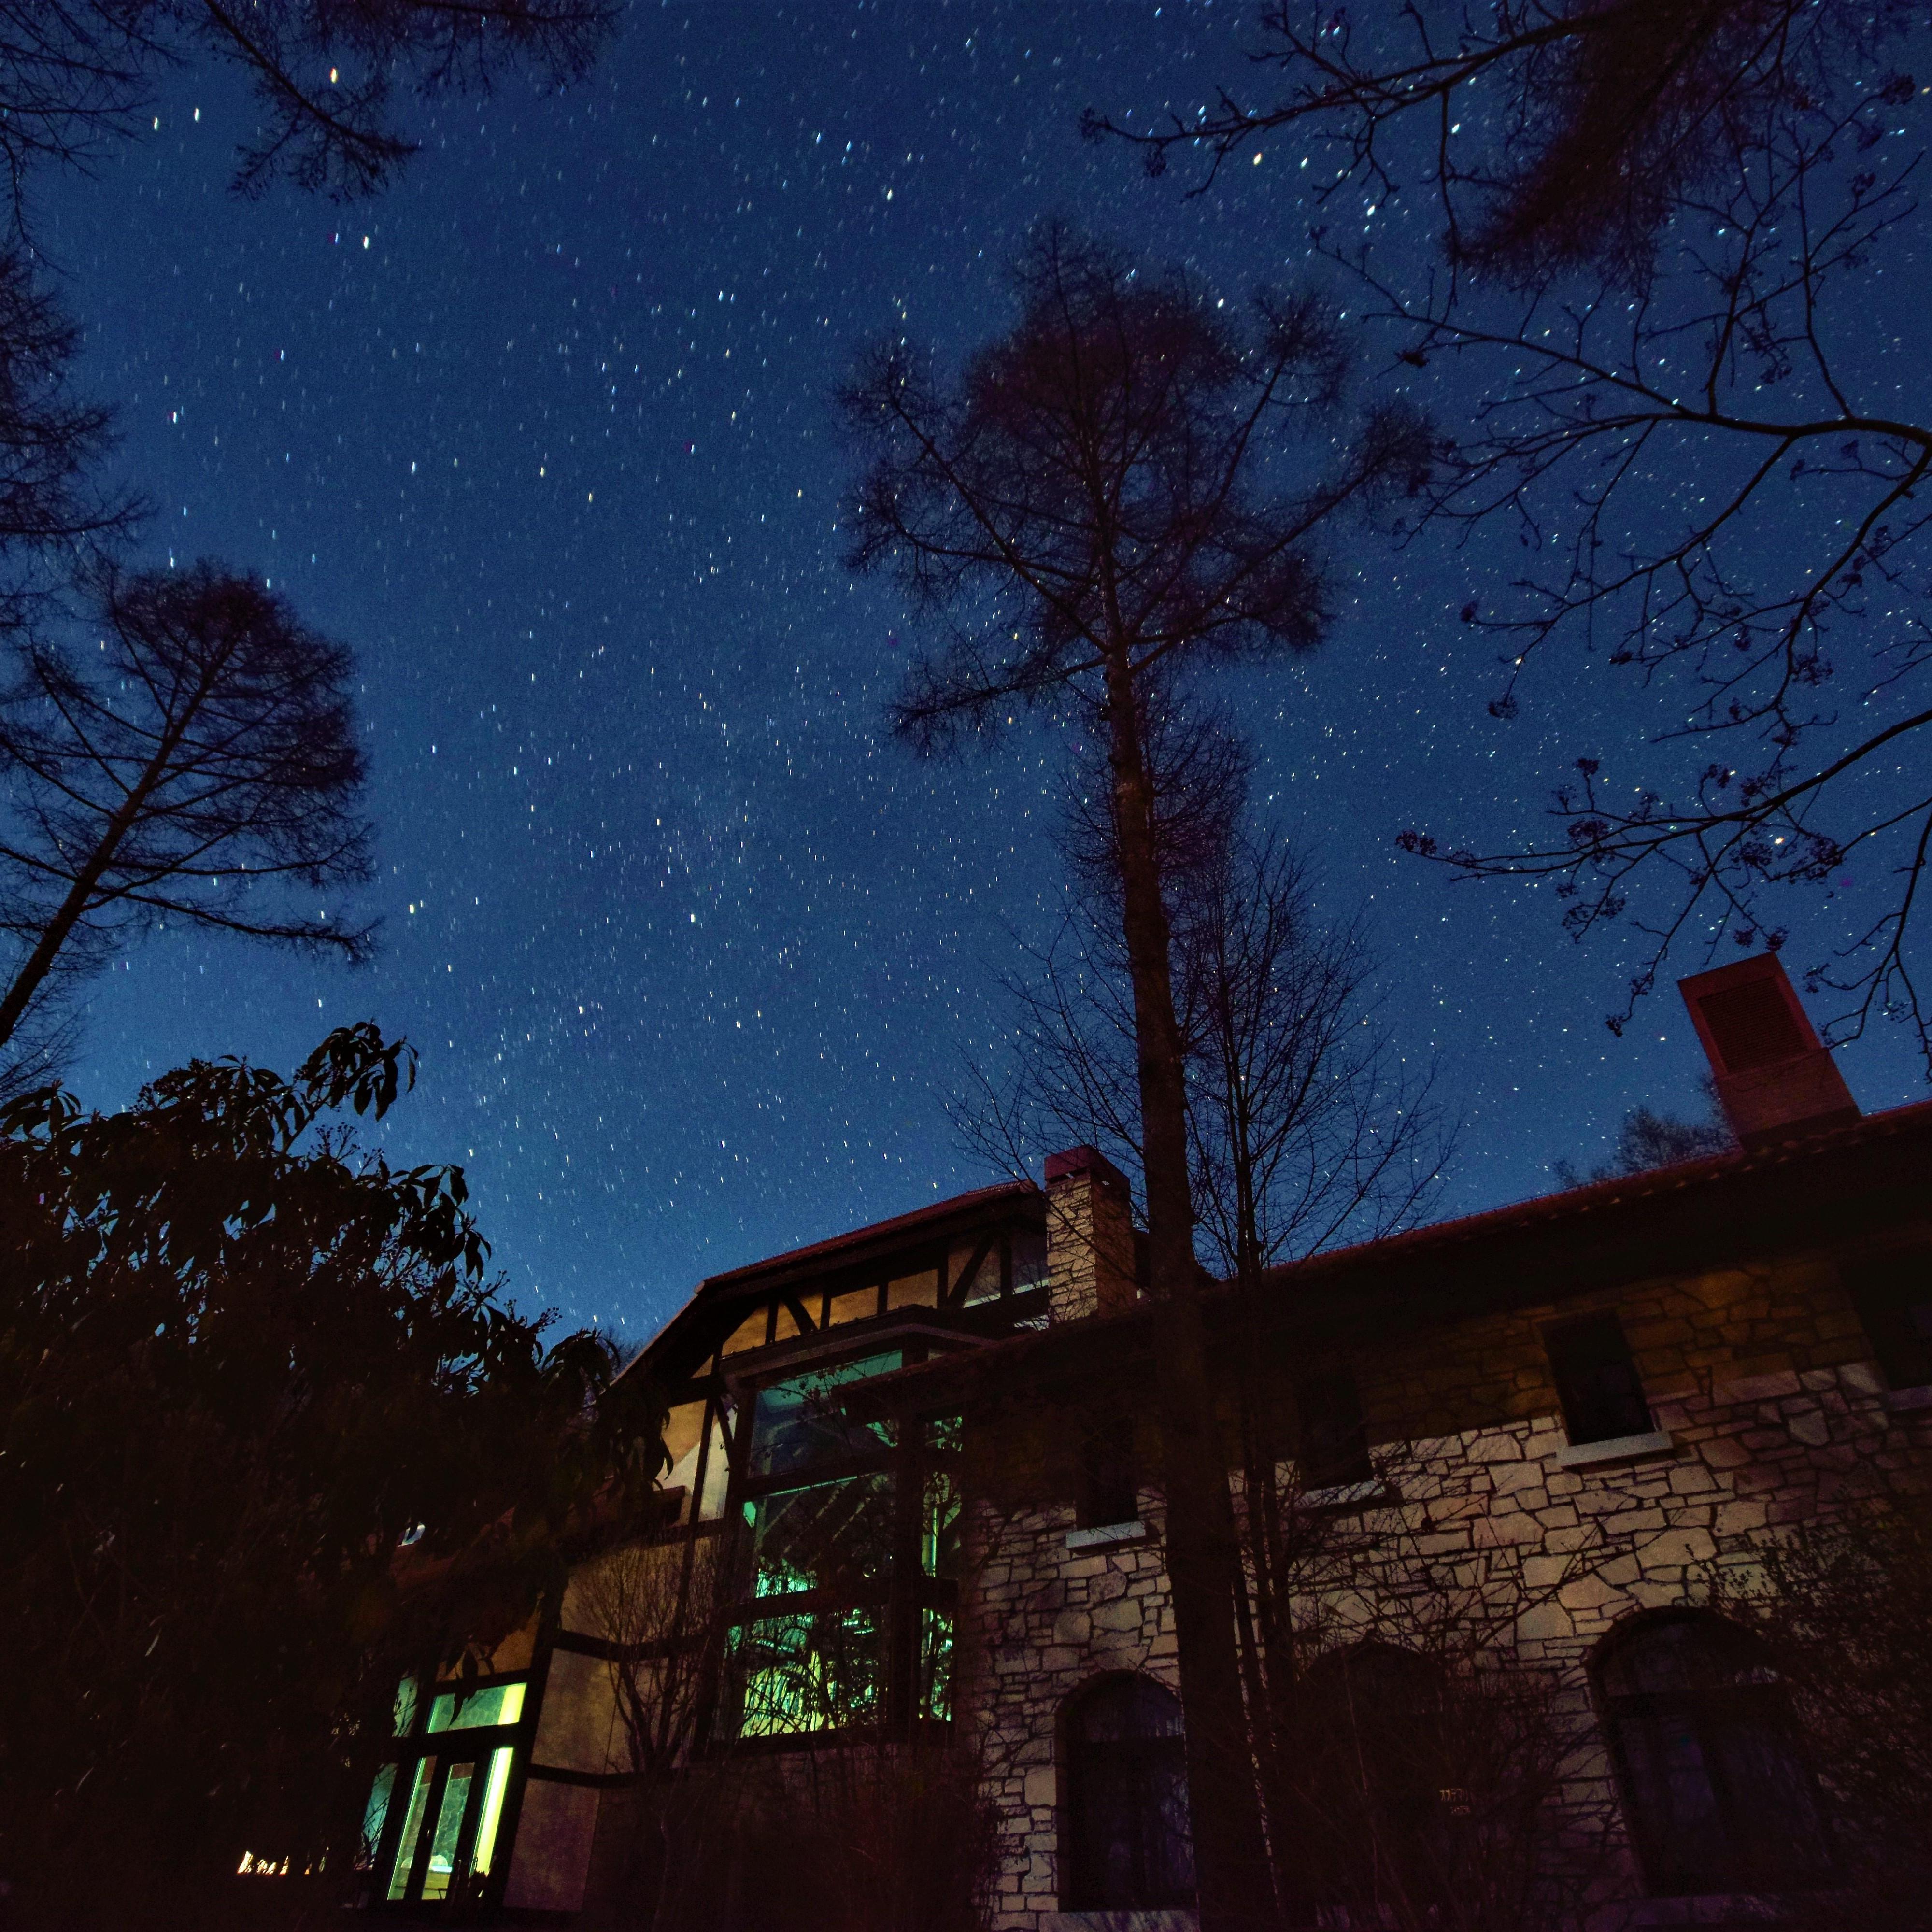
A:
693	952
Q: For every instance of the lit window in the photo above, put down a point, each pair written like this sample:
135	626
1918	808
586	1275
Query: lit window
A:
458	1751
834	1511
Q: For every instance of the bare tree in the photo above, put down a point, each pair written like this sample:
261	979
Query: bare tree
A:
1306	1129
1663	230
1089	503
206	754
78	76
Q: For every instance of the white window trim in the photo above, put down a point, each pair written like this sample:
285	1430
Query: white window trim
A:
1343	1495
1107	1535
1615	1449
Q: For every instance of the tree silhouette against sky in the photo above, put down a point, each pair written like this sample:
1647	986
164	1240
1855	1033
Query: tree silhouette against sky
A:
1117	492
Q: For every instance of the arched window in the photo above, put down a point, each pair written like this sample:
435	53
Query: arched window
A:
1128	1845
1370	1746
1714	1786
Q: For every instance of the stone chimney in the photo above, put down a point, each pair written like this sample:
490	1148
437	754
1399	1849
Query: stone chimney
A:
1774	1080
1089	1236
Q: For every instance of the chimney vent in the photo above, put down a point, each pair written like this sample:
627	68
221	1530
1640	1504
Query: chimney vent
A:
1774	1080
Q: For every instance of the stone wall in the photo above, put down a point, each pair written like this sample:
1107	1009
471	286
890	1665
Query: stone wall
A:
1760	1378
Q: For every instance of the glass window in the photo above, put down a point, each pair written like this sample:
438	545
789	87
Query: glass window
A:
500	1704
799	1423
1331	1443
806	1671
1130	1847
1894	1298
375	1816
835	1538
848	1561
1030	1268
440	1843
1715	1789
1597	1382
501	1760
1109	1476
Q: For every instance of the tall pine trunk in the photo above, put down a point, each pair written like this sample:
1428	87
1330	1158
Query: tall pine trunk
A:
1203	1551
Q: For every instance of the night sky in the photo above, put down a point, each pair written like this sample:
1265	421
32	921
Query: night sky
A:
693	952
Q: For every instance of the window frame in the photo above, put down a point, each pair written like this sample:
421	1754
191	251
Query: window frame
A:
904	1599
418	1744
1678	1857
1079	1890
1638	1420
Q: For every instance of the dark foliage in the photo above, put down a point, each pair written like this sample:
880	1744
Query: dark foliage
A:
76	76
240	1362
1847	1609
1648	1139
204	751
1664	231
1088	490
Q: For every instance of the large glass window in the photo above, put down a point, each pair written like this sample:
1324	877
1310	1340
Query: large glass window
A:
1128	1846
433	1827
848	1564
1714	1786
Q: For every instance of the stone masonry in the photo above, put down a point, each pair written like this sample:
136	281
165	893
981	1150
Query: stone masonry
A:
1769	1411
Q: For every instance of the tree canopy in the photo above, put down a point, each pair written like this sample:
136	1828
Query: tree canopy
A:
272	1436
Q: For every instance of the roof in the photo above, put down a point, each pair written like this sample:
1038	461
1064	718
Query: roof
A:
1726	1209
688	1328
857	1243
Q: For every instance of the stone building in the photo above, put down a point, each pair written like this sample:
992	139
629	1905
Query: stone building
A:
926	1447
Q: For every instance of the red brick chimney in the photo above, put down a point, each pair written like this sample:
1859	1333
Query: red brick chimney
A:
1089	1236
1775	1081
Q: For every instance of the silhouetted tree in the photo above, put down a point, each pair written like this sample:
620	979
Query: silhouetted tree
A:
77	76
1305	1126
1648	1139
206	751
1846	1608
1090	503
1663	231
240	1362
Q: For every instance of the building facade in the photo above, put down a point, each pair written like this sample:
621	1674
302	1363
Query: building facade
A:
913	1495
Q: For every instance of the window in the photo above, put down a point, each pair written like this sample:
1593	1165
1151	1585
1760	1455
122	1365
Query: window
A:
1331	1445
433	1827
1715	1790
1372	1728
1128	1846
996	1265
1893	1296
1597	1382
848	1564
1109	1478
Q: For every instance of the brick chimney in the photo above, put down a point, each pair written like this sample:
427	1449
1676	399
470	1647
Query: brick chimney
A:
1089	1236
1774	1080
